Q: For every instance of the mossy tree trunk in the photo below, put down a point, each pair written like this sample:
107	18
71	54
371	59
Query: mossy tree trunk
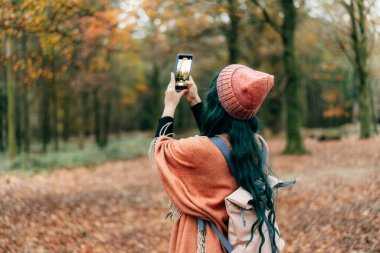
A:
366	127
293	87
361	55
356	11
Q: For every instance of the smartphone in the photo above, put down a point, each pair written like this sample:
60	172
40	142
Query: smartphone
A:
182	69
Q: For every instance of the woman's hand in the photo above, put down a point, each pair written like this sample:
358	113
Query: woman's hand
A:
192	95
172	98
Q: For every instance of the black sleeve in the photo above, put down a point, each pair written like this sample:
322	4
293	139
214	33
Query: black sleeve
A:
165	126
197	112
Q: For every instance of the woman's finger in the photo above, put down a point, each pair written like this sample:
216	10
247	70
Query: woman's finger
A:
182	92
171	85
188	84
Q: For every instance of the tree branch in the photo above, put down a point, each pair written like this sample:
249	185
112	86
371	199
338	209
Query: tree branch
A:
372	43
344	50
267	18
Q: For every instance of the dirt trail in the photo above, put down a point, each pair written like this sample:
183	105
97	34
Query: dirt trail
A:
120	206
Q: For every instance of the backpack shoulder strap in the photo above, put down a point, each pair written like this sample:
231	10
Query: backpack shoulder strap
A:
202	227
225	150
264	151
264	155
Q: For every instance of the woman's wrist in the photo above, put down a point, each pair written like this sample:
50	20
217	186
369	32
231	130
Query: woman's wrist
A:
169	110
195	100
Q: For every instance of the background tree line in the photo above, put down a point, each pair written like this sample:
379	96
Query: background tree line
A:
87	69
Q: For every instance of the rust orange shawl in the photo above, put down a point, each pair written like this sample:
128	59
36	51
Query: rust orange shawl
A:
196	178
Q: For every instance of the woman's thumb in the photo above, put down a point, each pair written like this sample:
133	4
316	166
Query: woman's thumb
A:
182	92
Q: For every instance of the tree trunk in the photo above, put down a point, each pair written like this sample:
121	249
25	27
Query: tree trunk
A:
54	104
105	122
293	88
156	90
366	129
359	39
25	119
66	116
232	31
355	98
373	108
102	111
69	99
10	98
25	104
3	102
44	115
18	118
97	117
86	114
81	120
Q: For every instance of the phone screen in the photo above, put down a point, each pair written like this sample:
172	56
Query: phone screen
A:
183	69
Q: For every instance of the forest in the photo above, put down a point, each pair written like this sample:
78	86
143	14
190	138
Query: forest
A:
82	85
87	69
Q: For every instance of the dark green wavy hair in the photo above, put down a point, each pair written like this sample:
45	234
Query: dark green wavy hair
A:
246	156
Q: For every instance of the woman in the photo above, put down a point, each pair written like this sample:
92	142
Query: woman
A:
195	174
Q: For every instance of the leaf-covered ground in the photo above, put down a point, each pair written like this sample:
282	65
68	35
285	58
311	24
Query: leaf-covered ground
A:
120	206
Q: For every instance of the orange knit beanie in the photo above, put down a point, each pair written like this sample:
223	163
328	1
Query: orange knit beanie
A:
242	90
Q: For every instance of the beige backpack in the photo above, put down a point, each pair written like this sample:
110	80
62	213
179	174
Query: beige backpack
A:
242	214
241	218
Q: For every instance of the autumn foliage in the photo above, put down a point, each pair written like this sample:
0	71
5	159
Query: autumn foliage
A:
87	78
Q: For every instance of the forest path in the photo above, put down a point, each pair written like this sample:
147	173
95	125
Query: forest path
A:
120	206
